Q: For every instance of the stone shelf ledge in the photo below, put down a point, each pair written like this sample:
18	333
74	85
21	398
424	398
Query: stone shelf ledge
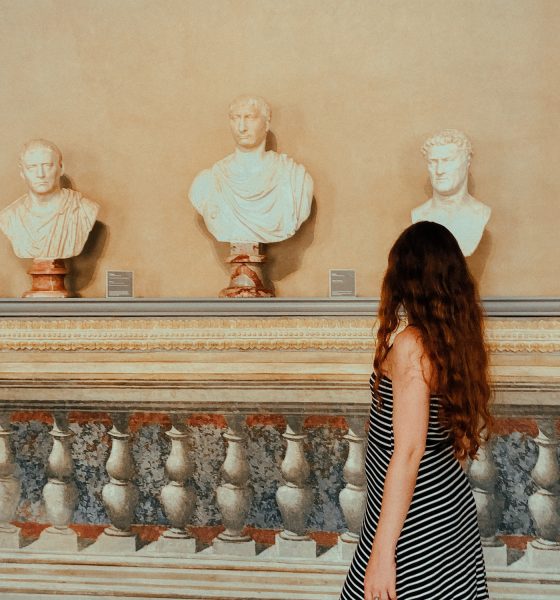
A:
532	307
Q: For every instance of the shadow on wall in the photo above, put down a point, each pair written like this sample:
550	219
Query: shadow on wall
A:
82	267
285	257
477	262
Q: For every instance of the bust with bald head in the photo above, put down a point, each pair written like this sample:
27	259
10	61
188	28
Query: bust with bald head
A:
47	222
252	195
448	154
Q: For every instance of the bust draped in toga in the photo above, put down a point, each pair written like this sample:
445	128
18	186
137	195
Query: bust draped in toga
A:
48	222
252	195
58	229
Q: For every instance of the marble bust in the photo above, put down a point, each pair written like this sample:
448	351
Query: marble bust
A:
48	222
252	195
449	155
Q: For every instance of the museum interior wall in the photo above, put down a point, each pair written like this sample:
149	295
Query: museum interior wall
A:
217	414
135	93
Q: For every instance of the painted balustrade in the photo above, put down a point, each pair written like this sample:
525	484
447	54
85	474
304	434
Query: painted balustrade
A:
60	493
489	504
234	496
120	495
353	496
178	497
10	487
544	504
295	497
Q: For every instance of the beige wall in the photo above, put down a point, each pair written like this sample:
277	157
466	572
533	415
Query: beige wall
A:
135	92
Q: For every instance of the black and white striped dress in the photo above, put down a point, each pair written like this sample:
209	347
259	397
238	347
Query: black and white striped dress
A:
439	554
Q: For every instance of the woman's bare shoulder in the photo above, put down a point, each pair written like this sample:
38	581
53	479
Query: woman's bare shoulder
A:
408	343
408	353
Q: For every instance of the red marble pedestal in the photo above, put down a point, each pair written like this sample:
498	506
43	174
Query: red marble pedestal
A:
47	279
246	278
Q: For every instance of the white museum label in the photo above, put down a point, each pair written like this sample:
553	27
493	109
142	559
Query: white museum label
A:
342	282
120	284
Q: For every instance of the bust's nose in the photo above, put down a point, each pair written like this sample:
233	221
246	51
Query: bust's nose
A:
40	171
241	125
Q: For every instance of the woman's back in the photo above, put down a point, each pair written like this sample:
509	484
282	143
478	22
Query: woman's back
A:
420	535
438	554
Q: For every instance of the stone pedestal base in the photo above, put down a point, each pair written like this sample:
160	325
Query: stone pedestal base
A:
543	556
173	545
346	548
495	555
246	277
295	548
10	537
109	543
245	547
56	540
47	279
342	552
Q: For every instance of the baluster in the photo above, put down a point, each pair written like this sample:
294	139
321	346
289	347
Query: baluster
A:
10	487
178	498
295	498
544	552
120	495
489	504
234	495
60	493
353	496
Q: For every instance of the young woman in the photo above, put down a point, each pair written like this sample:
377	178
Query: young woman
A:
420	538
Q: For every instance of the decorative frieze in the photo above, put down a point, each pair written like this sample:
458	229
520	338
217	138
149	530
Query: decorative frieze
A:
231	334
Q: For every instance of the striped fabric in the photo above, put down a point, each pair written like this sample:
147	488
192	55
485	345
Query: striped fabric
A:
439	554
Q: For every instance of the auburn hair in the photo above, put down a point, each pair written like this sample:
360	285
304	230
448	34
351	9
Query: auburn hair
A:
428	285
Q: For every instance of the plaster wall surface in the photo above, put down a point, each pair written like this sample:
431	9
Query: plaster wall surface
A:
135	93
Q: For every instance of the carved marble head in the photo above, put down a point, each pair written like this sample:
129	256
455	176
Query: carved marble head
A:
41	166
448	153
249	118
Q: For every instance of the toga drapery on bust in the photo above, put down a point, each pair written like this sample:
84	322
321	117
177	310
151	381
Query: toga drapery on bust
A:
57	229
264	206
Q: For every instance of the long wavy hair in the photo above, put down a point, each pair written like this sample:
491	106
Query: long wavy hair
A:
428	285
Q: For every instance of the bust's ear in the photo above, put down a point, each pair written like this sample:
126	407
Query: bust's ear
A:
61	169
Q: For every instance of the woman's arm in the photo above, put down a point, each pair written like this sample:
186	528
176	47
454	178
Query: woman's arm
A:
411	374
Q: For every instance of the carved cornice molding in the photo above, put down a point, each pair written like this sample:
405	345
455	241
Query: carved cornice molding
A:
238	334
523	335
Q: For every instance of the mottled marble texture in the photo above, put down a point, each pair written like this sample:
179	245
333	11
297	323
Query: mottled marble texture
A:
515	456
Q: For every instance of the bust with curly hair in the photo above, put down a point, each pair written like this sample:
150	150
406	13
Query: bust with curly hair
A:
448	153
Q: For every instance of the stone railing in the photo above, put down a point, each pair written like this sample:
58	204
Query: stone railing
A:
286	372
